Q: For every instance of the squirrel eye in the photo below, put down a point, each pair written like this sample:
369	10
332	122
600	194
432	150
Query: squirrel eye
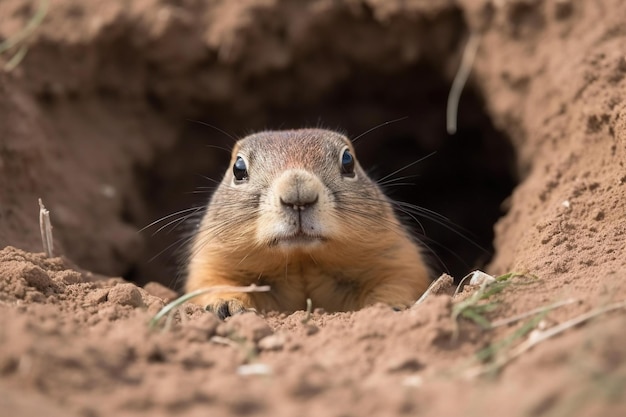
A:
347	164
240	170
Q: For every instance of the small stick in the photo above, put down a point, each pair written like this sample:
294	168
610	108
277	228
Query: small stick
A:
46	230
539	310
218	288
459	82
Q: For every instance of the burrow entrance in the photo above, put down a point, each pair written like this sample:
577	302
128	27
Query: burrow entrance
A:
466	180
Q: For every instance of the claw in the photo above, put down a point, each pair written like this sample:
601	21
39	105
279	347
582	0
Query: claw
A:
226	308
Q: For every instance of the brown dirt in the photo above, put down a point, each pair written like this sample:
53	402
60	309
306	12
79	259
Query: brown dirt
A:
95	121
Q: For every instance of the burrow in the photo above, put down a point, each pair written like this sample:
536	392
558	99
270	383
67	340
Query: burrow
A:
404	73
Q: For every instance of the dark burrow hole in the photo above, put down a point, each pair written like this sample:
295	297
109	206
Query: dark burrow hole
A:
466	180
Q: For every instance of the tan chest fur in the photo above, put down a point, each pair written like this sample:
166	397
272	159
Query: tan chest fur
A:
335	280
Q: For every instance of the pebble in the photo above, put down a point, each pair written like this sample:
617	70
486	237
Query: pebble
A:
272	342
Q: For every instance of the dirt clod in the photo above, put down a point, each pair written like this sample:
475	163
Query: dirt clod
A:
97	296
248	326
125	295
37	278
159	290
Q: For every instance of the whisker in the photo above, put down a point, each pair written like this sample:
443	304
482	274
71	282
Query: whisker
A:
214	127
449	251
221	148
209	179
434	254
386	201
423	241
167	217
379	126
391	180
426	214
182	241
408	213
206	235
446	223
366	216
200	191
179	221
407	166
403	184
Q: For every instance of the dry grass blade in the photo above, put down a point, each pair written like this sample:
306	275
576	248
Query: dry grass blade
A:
539	310
539	336
16	59
460	286
46	230
459	82
22	35
219	288
309	310
475	307
484	282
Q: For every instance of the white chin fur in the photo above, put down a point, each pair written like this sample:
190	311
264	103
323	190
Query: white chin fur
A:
282	226
299	242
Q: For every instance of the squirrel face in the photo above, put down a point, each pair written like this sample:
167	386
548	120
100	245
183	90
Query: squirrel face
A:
297	190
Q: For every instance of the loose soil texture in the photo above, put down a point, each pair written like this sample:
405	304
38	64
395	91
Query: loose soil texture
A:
95	120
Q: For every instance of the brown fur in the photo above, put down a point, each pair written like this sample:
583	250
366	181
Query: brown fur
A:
357	253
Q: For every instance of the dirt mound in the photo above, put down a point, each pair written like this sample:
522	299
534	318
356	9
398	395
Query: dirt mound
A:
95	120
87	348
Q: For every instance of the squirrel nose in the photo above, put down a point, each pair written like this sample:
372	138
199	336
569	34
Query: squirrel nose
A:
299	201
297	190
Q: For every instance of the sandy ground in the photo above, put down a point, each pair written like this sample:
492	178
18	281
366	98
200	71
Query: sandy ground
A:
90	121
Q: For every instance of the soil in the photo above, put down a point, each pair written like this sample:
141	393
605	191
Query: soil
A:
98	121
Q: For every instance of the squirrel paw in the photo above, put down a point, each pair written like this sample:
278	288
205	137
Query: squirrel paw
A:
227	308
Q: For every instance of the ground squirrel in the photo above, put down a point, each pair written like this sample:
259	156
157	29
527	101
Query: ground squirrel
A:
296	211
